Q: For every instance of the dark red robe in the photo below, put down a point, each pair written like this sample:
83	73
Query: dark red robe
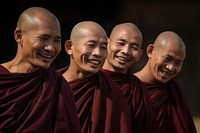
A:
171	109
138	100
101	106
39	102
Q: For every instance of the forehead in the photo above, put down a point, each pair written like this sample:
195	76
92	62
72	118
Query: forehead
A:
126	38
126	31
127	34
92	34
174	51
52	29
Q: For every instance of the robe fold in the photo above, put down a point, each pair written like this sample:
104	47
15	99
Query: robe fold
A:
39	102
101	106
138	100
171	109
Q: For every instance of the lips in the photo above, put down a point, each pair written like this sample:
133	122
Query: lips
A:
166	73
123	58
46	56
94	61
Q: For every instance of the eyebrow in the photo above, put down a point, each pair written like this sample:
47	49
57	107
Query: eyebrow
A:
133	43
47	35
168	55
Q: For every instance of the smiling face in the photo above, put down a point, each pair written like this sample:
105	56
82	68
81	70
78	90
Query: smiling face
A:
88	49
124	48
39	39
41	45
165	62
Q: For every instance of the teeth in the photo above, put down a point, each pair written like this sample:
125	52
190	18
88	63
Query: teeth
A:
165	73
94	62
47	56
122	58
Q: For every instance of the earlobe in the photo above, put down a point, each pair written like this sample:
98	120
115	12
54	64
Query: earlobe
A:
68	46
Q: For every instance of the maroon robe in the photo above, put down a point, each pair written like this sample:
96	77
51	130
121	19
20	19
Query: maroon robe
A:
171	109
39	102
138	100
101	106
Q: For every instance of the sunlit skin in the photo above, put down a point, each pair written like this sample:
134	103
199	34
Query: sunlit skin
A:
124	47
87	48
166	57
38	36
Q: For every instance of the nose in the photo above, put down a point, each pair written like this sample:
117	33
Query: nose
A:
170	67
97	51
126	49
50	48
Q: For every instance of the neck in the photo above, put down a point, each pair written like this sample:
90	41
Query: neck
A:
17	67
108	66
144	74
72	74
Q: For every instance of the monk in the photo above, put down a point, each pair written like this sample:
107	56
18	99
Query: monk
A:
165	59
101	106
124	49
34	97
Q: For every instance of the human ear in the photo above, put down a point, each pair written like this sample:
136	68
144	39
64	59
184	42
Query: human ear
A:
18	35
68	46
150	49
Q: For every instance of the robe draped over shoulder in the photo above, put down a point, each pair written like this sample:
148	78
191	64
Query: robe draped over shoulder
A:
138	100
39	102
171	109
101	106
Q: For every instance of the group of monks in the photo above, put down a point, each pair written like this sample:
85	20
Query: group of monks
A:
97	92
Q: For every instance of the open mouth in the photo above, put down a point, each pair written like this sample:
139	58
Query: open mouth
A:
46	56
123	59
166	73
94	62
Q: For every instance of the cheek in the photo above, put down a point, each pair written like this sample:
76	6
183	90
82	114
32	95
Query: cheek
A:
178	69
113	48
76	52
104	54
154	64
79	50
136	54
58	48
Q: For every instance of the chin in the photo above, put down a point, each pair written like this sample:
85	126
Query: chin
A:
45	66
93	71
163	80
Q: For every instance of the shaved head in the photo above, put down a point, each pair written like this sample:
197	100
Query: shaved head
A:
87	48
128	27
38	38
165	58
169	37
84	27
33	16
124	47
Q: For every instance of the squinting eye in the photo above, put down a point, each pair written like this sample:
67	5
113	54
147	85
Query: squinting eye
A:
121	43
104	46
178	63
91	45
57	40
44	38
166	58
135	48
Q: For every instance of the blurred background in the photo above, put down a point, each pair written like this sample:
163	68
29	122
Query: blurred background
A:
152	17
